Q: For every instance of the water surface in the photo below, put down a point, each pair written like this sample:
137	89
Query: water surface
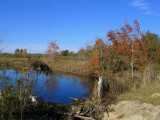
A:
52	88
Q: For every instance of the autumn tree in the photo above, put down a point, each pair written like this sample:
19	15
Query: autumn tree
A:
88	50
17	52
20	52
81	51
52	50
149	49
24	52
95	65
72	53
65	53
129	49
124	45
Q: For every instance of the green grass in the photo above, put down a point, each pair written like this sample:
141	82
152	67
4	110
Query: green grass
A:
143	94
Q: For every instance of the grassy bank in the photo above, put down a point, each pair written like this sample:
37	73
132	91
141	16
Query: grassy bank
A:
148	83
66	66
63	64
143	94
12	61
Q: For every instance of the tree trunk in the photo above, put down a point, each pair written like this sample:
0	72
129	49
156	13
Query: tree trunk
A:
132	61
100	82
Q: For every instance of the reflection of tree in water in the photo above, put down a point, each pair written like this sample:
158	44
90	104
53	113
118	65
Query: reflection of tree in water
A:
47	86
86	82
7	77
51	84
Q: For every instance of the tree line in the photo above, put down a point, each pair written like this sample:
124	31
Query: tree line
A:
128	48
20	52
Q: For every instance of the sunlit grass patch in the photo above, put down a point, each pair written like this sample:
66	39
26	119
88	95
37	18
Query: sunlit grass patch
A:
143	94
66	65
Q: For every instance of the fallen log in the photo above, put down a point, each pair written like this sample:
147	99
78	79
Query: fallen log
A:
82	117
74	99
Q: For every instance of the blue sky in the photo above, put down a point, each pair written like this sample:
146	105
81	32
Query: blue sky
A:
32	24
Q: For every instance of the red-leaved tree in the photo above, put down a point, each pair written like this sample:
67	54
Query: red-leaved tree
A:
52	50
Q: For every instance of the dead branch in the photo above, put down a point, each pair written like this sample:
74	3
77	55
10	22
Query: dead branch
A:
82	117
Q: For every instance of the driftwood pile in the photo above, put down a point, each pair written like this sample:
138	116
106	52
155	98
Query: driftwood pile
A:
40	66
87	110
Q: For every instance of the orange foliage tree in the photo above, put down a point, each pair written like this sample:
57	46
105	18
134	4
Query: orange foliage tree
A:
81	51
149	49
95	65
124	45
129	49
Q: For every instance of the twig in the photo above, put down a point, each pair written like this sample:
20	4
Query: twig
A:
91	112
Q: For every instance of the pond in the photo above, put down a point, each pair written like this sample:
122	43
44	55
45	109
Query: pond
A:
51	88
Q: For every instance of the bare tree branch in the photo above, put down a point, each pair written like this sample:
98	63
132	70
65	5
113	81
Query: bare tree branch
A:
1	46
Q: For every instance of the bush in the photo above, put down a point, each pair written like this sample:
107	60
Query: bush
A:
15	98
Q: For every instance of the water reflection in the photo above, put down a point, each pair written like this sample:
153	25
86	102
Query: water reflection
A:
57	88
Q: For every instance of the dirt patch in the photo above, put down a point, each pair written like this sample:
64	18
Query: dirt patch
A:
132	110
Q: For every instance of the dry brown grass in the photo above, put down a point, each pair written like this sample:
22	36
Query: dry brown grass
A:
66	66
148	84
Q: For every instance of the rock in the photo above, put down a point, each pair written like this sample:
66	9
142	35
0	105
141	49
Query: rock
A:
155	95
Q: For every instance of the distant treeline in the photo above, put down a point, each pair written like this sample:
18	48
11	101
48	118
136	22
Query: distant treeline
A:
20	51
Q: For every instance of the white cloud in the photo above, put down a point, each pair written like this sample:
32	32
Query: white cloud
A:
149	13
139	4
145	7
